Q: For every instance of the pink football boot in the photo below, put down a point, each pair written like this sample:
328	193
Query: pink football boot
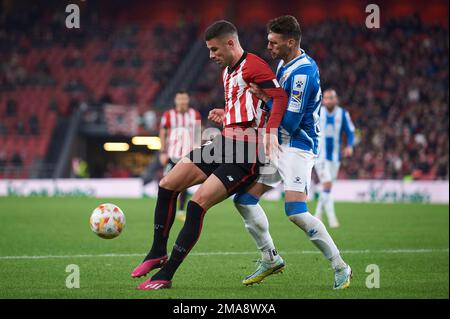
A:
150	284
148	265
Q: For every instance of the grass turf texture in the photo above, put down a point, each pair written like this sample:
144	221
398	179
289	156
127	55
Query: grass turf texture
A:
60	226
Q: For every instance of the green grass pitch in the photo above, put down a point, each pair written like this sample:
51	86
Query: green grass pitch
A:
408	242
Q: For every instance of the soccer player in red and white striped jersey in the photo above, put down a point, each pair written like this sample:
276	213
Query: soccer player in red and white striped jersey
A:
242	106
230	169
177	130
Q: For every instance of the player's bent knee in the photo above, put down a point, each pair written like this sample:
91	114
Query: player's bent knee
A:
295	209
201	198
165	183
170	183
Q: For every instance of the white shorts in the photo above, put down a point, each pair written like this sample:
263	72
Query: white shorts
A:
294	170
327	171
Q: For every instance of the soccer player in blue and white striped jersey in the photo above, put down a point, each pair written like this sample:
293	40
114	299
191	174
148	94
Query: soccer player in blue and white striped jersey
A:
299	136
335	121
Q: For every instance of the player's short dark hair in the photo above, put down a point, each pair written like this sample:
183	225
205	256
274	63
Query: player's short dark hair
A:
219	29
181	91
287	26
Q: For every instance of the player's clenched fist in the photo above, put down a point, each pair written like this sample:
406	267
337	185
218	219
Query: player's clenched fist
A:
216	115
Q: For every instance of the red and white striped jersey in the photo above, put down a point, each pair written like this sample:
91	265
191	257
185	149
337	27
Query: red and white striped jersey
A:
240	104
180	135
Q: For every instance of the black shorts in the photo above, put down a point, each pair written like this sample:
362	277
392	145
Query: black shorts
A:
235	163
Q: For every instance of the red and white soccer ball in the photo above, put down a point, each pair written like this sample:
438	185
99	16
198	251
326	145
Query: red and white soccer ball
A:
107	221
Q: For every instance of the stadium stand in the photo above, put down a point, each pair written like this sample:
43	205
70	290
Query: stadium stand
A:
394	81
47	74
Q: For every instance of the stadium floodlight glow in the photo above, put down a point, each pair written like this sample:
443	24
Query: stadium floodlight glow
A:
154	143
116	147
145	140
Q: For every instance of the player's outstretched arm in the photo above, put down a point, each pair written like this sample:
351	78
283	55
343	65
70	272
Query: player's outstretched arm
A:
258	72
279	104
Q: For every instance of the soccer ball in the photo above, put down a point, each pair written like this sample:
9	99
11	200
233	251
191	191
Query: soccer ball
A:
107	221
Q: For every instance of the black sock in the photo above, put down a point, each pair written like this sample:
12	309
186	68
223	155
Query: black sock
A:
186	239
182	200
166	205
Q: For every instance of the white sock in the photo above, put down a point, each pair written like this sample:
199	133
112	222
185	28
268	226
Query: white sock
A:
320	237
337	262
257	225
270	255
329	208
319	206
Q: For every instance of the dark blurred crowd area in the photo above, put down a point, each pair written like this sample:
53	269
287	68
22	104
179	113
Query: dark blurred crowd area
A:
392	80
48	71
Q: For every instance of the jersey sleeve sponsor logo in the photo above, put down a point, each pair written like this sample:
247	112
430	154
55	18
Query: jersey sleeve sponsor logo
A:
294	106
297	94
298	88
297	91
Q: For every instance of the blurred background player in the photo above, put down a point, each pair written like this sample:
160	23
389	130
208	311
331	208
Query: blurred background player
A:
334	123
179	134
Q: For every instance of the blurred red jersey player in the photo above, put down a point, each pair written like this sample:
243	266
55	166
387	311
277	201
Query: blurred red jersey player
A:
179	134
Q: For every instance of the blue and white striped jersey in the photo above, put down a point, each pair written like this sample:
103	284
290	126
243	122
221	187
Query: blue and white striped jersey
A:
300	125
333	125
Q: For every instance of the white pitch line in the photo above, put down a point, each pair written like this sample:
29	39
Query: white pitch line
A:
226	253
